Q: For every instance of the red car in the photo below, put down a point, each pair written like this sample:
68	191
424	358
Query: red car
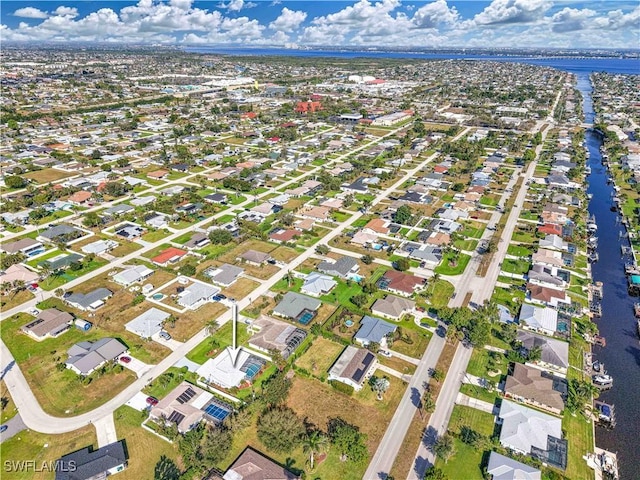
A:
152	401
125	359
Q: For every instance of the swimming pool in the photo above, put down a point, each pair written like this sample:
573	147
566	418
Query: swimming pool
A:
349	323
157	296
376	246
306	317
355	277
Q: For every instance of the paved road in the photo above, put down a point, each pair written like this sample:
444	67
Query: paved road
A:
14	425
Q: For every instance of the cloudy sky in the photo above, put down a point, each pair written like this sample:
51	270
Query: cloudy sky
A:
397	23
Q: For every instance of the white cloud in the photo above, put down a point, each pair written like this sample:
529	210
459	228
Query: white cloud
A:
571	19
288	20
66	11
236	5
436	13
512	11
30	12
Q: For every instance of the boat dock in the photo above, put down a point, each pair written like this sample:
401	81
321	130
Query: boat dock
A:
605	414
604	463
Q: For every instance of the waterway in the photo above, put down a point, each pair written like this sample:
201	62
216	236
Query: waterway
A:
621	356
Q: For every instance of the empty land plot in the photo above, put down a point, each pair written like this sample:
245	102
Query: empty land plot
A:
48	175
320	356
240	288
192	321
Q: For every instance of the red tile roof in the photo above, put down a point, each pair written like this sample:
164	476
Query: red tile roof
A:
403	282
551	229
167	255
284	235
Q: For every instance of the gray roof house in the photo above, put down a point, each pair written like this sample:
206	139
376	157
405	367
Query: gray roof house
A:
49	323
196	294
85	357
89	301
132	275
57	232
61	261
353	366
224	275
198	240
317	284
373	330
534	433
342	267
27	246
254	257
505	468
431	255
555	353
118	210
294	305
148	323
92	464
392	306
272	334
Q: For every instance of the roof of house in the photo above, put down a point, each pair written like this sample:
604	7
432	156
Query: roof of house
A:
196	240
85	300
524	428
373	329
533	384
544	318
293	304
545	294
276	334
226	274
318	284
554	352
18	272
341	267
168	254
89	463
392	306
57	231
283	235
255	256
378	225
252	465
61	261
182	405
81	196
157	173
505	468
48	321
353	364
196	292
86	356
133	274
18	245
404	282
148	323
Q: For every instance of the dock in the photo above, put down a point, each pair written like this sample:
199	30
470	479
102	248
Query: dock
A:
604	463
605	414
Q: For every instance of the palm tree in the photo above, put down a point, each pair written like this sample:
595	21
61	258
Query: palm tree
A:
18	285
46	271
312	443
212	326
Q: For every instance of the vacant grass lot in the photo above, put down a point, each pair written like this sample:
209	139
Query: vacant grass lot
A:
240	288
47	175
320	356
223	336
38	447
9	410
446	269
464	464
14	299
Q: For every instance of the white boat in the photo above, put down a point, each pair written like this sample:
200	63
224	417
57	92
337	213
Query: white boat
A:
602	380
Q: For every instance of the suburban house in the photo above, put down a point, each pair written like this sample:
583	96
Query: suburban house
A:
219	198
89	301
92	464
225	274
430	255
317	284
26	246
148	323
80	198
252	465
555	353
401	283
353	367
297	307
197	240
253	257
272	334
86	357
392	307
548	276
132	275
158	174
539	319
168	256
60	262
534	433
117	210
344	267
182	406
99	247
20	273
280	235
546	296
48	324
505	468
536	388
59	233
374	330
197	294
376	226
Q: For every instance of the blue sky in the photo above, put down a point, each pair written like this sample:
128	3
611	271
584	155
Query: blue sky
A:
366	23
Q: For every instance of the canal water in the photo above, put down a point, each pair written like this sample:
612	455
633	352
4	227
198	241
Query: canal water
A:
621	356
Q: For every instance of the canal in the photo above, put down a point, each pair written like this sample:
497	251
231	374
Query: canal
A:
621	356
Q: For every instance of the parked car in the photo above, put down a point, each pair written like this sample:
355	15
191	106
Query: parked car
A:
165	335
385	353
152	401
3	428
35	312
125	359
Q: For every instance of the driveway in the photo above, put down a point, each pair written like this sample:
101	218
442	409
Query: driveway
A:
137	366
138	401
105	430
171	344
14	425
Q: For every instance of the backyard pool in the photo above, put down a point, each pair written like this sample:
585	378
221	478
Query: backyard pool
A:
376	246
355	277
306	317
157	296
349	323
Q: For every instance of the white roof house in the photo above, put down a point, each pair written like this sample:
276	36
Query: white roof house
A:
524	428
505	468
99	247
541	319
222	371
196	294
148	323
317	284
132	275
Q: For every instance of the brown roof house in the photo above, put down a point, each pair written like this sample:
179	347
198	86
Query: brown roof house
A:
537	388
253	257
401	283
252	465
392	307
49	323
182	406
272	334
546	296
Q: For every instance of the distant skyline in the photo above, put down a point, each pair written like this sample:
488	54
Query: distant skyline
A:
366	23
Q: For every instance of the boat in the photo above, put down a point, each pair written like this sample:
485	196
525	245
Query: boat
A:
636	309
593	257
596	366
602	380
606	414
600	341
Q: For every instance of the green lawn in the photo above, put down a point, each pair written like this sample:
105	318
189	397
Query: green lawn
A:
56	281
519	251
479	363
445	269
441	292
481	422
342	293
467	245
465	464
516	266
224	338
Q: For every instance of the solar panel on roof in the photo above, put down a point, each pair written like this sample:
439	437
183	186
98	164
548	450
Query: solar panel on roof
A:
185	396
176	417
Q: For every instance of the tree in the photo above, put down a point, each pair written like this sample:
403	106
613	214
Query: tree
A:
534	354
189	446
280	429
91	219
380	386
402	264
367	259
276	389
215	445
15	181
166	469
348	439
312	443
322	249
220	236
428	404
187	269
359	300
479	332
434	473
444	447
437	375
403	215
75	266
